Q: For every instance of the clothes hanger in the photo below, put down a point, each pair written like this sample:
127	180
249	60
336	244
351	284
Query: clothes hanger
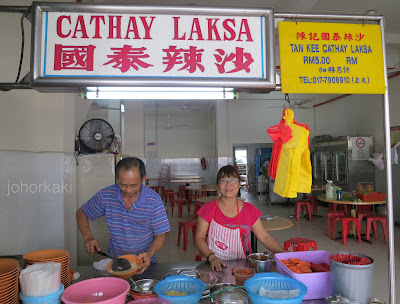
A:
288	100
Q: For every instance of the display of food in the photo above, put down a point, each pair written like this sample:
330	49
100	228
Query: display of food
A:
350	259
175	293
296	265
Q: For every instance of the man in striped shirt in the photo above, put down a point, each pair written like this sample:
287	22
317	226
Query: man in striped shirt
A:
135	215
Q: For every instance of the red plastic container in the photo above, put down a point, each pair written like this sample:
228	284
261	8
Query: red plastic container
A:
319	284
371	197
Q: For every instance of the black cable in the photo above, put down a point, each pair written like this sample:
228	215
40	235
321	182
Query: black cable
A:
22	42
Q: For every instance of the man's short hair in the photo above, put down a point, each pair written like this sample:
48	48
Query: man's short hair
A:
128	163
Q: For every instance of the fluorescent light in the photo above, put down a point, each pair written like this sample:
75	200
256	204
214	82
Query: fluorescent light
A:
157	89
158	93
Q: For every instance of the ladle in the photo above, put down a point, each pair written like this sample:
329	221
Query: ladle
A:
137	287
118	264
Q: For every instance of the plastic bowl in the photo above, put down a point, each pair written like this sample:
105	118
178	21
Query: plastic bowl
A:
273	281
128	273
181	283
99	290
150	301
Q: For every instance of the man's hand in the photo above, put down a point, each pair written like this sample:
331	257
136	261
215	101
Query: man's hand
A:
146	262
91	245
216	263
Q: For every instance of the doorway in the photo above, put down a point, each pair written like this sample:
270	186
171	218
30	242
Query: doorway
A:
240	157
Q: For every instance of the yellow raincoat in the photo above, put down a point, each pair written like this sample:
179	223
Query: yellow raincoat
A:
294	167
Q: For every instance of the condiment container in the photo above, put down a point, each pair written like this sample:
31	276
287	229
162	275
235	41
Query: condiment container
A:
339	195
260	262
359	188
369	188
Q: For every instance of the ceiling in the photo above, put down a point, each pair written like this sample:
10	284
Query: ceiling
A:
387	8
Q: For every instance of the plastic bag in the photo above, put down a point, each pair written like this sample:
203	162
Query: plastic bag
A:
378	161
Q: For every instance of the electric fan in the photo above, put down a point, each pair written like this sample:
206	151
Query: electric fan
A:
96	135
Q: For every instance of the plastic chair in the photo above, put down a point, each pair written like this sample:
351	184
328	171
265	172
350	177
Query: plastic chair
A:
300	244
329	216
345	222
179	201
371	220
197	206
182	191
186	225
313	200
299	204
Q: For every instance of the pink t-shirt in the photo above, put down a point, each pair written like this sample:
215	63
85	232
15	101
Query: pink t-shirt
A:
248	216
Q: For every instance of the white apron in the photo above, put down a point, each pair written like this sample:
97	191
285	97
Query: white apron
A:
225	242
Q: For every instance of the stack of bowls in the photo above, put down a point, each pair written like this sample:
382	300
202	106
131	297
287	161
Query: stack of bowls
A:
9	273
51	255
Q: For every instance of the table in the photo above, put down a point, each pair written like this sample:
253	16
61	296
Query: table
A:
159	270
279	223
188	181
353	211
148	179
208	188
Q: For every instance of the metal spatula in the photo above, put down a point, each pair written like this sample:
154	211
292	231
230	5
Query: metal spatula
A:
118	264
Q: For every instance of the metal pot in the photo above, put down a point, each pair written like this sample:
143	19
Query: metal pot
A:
260	262
229	294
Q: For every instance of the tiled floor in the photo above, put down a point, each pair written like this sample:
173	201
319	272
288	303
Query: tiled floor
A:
314	229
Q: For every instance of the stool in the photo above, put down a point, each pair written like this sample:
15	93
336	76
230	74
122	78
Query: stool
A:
342	207
179	201
197	206
182	191
362	214
300	244
329	216
371	220
186	225
199	256
313	201
193	197
297	209
165	194
345	222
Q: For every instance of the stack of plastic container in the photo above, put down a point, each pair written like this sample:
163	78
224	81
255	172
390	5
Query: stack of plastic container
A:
9	271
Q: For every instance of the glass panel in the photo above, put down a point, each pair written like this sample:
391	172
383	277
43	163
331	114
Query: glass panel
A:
341	166
328	164
317	167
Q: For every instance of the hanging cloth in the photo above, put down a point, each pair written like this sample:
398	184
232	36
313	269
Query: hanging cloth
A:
291	164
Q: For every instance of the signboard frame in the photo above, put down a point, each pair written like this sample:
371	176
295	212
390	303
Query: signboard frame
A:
70	84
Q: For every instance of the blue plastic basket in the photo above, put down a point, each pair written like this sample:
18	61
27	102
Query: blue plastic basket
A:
53	298
193	287
273	281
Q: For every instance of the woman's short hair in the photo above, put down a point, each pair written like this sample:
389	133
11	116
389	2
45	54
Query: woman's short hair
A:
227	171
128	163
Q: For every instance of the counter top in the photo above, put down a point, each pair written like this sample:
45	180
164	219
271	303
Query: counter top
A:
159	270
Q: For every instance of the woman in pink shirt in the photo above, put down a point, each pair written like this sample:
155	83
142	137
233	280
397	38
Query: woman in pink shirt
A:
224	226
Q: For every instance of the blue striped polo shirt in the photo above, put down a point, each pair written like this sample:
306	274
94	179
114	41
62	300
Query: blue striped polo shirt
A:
131	232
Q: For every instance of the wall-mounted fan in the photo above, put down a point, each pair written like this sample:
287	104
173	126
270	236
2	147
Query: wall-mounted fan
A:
96	135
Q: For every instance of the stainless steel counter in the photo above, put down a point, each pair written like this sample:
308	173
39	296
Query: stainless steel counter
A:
159	270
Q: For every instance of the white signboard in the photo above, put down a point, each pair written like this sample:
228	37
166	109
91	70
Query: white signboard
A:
361	148
152	45
130	43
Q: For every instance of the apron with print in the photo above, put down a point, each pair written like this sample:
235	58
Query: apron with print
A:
226	242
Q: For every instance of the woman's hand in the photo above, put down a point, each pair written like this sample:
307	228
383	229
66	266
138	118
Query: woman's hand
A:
216	263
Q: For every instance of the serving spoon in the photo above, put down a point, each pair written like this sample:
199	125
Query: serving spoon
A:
118	264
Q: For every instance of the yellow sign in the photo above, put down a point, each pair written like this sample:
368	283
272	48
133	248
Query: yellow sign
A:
331	58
